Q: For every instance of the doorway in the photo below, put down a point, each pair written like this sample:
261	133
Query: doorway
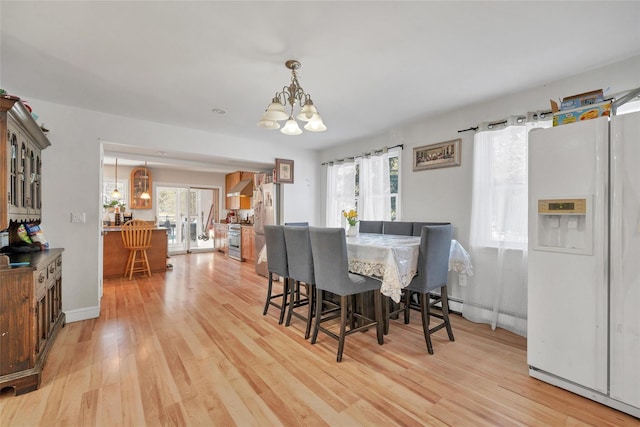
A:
189	214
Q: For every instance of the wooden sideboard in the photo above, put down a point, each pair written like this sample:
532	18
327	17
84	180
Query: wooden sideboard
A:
30	317
114	254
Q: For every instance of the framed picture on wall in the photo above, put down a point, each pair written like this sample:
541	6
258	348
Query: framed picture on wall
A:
440	155
284	171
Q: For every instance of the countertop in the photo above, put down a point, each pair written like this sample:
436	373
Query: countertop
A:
31	260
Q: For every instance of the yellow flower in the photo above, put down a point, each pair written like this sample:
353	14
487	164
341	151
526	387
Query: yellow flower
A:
351	216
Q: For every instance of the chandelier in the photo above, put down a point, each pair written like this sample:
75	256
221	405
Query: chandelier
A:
292	95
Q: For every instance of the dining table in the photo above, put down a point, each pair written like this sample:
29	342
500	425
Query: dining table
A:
393	259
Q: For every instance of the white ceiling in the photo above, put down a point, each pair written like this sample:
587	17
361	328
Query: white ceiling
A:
369	65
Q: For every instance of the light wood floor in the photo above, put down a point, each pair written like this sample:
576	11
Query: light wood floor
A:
191	347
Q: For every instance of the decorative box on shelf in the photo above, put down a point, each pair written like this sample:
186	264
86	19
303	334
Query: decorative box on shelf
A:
585	112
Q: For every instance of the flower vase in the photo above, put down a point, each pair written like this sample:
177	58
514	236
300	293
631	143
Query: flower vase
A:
352	230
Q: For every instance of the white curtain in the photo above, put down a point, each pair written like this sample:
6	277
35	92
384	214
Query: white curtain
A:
498	293
374	200
341	191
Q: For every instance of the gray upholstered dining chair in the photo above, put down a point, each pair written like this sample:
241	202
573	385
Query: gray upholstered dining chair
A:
277	265
300	260
397	227
417	226
366	226
433	267
331	268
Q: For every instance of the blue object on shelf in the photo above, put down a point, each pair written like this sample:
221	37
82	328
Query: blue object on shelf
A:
18	264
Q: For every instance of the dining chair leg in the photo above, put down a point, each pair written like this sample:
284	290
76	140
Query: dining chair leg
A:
350	307
311	290
445	312
380	318
269	290
314	337
343	325
407	306
293	296
285	293
425	311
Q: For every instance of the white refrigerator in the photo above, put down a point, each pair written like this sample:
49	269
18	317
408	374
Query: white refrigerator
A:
583	329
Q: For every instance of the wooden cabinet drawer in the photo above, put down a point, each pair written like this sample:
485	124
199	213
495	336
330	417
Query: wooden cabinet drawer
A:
40	281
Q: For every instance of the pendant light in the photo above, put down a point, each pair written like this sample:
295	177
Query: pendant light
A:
145	194
116	194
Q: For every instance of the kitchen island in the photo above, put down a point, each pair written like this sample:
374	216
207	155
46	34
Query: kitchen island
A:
114	254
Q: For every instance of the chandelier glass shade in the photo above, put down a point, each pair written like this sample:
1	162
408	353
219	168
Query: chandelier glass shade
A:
292	96
116	194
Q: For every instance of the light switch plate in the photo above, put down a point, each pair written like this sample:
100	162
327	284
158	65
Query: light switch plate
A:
78	217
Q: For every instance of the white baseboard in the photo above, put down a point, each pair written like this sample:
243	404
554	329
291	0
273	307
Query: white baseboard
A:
82	314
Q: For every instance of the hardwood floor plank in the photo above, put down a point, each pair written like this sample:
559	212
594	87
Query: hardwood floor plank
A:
109	410
191	347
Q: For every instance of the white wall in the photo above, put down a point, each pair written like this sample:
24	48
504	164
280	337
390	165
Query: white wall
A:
445	194
71	183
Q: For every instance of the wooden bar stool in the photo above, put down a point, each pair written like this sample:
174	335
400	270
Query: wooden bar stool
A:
136	236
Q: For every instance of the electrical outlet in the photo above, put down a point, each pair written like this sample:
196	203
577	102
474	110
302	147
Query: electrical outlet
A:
78	217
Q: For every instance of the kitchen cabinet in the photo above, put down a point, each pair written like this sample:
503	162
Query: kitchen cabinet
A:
30	317
21	145
220	237
140	181
248	237
236	202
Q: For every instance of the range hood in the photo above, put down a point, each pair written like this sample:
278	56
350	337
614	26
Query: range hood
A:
243	189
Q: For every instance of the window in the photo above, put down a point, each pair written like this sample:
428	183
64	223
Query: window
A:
394	178
500	193
108	185
369	184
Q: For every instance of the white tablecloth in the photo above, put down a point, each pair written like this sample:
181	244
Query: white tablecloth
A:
393	260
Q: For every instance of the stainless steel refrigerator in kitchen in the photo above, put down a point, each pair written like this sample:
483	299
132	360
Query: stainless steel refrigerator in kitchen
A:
266	202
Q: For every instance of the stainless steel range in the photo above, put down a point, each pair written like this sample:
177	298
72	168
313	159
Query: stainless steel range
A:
235	242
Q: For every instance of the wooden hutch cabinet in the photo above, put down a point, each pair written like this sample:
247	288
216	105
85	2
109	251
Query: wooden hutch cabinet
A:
30	283
21	144
140	182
